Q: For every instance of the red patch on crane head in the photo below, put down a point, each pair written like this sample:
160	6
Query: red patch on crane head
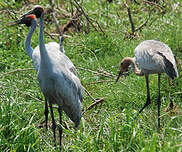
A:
38	10
31	16
27	20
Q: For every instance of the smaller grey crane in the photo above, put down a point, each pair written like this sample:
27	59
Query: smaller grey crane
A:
153	57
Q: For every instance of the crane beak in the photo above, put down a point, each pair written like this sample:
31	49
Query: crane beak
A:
28	13
14	23
119	74
20	21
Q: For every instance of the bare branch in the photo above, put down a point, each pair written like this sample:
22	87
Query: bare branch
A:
16	70
71	7
54	17
130	18
145	23
55	107
95	103
101	81
77	5
131	21
79	8
72	22
88	93
101	72
12	10
50	35
153	3
106	73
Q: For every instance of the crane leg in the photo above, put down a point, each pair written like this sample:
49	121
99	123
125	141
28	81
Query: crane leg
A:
148	94
53	122
46	112
60	127
159	101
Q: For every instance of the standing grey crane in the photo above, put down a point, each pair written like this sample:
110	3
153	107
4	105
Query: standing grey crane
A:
153	57
34	54
58	83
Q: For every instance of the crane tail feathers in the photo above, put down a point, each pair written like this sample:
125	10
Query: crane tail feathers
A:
61	39
169	67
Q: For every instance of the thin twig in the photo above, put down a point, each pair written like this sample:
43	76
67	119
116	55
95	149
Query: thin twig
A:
72	21
98	25
106	73
87	70
56	34
82	11
88	93
136	2
101	81
16	70
71	7
51	35
142	25
12	10
86	16
130	18
95	103
131	21
145	23
54	17
102	73
155	4
38	100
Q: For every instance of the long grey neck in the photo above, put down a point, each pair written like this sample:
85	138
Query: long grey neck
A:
41	37
134	66
28	47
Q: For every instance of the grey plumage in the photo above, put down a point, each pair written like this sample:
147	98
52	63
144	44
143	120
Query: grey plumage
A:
59	85
152	57
57	75
169	67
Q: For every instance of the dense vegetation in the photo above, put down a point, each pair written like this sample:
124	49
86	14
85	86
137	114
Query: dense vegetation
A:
110	126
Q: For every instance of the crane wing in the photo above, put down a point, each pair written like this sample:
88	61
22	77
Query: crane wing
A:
52	47
154	56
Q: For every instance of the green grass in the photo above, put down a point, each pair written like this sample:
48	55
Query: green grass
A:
108	127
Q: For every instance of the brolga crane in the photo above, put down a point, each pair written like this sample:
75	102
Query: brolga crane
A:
34	54
58	83
152	57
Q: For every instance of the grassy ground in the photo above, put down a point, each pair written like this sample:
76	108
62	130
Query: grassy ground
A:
112	126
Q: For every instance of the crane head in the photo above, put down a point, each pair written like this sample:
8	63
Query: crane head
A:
123	67
37	11
27	20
